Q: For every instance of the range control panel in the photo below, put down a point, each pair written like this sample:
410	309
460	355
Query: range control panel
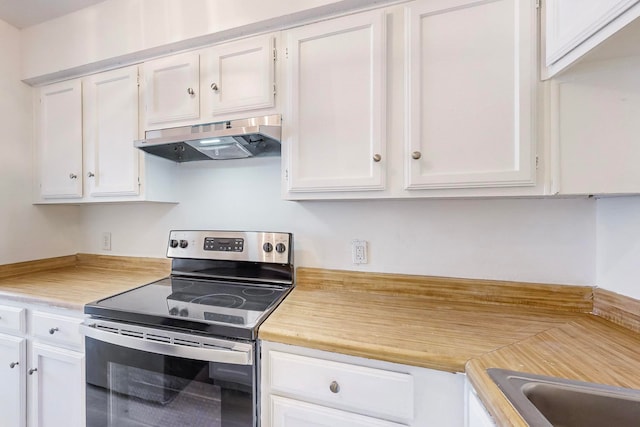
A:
255	246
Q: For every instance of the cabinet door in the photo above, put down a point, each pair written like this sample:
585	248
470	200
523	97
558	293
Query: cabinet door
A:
470	94
13	395
111	125
335	135
294	413
60	140
238	76
570	22
476	414
172	90
57	387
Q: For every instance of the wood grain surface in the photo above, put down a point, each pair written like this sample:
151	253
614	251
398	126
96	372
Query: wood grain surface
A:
414	320
88	278
28	267
588	349
619	309
565	298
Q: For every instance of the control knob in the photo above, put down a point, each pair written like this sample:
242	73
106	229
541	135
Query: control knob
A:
267	247
173	311
173	243
280	247
184	312
184	244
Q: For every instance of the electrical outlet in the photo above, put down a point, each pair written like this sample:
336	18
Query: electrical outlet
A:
359	251
106	241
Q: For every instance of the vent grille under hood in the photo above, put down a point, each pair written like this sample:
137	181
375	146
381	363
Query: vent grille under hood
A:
237	139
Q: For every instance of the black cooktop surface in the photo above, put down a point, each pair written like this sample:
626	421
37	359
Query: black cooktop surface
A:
209	306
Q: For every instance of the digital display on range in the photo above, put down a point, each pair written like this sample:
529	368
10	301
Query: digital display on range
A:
223	244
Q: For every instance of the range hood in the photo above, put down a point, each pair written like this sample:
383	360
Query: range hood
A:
237	139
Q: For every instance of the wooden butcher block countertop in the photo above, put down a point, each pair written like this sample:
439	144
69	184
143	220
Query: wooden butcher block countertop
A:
416	320
465	325
75	280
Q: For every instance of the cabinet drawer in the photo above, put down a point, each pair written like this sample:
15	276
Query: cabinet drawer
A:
56	329
11	319
369	391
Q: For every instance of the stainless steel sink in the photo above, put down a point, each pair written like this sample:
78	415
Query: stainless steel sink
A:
557	402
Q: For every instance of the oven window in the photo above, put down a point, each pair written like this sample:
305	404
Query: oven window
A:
133	388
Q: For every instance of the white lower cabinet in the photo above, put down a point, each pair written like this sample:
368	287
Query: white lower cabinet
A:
476	414
306	387
294	413
12	380
56	384
42	381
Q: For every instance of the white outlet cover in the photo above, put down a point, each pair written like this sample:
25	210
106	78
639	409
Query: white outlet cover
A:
359	251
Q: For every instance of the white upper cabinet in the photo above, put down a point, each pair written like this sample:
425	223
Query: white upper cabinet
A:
85	143
238	76
111	125
172	90
59	110
595	128
335	125
575	27
226	81
470	94
432	98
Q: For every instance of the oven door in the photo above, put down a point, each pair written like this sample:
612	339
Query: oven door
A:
143	377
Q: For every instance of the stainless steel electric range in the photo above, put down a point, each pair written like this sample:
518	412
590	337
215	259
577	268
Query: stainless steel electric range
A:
181	351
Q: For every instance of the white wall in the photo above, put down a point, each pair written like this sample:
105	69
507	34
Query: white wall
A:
550	241
26	231
618	245
117	28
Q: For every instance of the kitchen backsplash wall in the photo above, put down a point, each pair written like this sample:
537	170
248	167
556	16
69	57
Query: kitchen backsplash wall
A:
27	232
536	240
618	245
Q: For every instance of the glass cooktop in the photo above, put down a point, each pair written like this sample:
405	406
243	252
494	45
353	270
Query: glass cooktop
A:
241	305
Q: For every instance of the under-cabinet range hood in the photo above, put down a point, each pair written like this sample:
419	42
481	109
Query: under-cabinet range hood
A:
236	139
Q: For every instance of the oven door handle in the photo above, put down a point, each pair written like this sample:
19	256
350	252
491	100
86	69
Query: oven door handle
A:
243	356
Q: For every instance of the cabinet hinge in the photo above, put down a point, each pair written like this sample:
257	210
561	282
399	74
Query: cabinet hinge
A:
274	89
537	162
138	181
286	174
286	53
538	4
138	80
275	54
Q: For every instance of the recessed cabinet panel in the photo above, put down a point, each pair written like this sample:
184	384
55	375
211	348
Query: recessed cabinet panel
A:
12	381
336	133
294	413
56	370
111	126
469	94
238	76
60	140
172	89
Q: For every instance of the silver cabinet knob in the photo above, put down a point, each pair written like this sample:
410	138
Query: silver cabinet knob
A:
377	157
214	86
13	364
53	330
32	370
91	175
416	155
73	175
190	91
334	387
